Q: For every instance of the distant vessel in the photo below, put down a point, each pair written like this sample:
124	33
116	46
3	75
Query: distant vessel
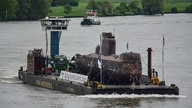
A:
96	73
90	19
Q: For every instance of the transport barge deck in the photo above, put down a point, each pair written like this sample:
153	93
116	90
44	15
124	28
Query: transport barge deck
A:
54	83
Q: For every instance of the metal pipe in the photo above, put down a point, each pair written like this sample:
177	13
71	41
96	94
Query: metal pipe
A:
149	62
100	53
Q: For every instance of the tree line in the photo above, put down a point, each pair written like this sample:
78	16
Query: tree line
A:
149	7
131	7
36	9
24	9
104	8
65	2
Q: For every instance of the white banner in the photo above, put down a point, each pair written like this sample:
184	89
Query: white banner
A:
73	77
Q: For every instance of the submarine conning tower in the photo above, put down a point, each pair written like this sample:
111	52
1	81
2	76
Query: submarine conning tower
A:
55	24
108	44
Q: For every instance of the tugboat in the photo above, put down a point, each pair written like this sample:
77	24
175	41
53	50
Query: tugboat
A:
90	19
96	73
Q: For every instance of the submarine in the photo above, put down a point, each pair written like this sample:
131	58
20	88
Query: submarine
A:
124	69
101	72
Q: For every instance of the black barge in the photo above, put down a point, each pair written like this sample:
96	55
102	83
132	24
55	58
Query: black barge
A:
81	89
102	72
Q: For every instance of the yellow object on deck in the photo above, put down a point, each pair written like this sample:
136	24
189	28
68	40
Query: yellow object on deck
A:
99	85
155	80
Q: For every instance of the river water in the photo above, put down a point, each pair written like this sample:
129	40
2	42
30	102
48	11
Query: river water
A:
141	32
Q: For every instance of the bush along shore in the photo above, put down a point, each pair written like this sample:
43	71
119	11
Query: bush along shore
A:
34	10
132	7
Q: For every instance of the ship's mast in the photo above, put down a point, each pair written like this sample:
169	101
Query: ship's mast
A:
163	77
149	63
55	25
100	54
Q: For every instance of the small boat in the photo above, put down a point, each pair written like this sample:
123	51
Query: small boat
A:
90	19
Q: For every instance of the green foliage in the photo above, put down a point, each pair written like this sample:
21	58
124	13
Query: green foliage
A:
65	2
93	5
151	7
188	9
53	3
74	2
23	9
75	12
180	6
134	5
67	8
122	9
80	10
174	9
8	9
39	9
29	10
104	8
128	8
112	1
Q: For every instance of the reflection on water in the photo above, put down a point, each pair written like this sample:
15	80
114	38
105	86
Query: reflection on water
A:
131	102
126	100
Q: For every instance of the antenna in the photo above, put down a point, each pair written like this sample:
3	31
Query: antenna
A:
46	47
6	15
163	77
113	32
100	54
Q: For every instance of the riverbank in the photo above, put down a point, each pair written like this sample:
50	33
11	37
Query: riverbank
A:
79	11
